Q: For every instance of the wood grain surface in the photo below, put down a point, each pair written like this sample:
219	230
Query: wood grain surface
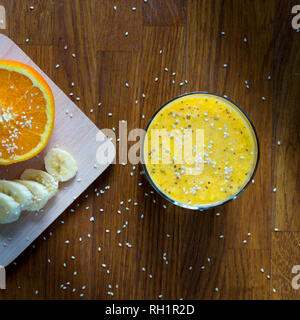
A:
260	47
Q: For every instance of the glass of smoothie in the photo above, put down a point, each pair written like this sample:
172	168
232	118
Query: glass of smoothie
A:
200	150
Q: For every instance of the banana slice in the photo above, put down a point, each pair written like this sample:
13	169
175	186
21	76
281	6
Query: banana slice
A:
43	178
60	164
18	192
40	195
9	209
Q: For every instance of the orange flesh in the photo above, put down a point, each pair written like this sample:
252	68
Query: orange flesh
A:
26	112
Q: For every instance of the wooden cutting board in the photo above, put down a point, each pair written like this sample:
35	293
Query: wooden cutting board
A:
76	134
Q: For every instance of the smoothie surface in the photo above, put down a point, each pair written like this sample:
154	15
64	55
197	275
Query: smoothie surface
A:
200	176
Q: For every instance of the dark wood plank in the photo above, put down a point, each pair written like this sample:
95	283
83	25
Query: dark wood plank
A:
165	46
243	276
286	157
114	70
285	255
118	29
165	13
77	76
35	25
74	23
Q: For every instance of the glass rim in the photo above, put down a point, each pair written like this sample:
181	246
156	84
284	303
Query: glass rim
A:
204	206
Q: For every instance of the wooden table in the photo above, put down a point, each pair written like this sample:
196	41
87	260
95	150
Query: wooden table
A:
259	42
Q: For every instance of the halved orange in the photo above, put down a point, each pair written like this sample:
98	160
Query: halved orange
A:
26	112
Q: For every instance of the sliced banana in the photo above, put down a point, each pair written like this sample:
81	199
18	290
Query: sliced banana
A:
60	164
18	192
39	193
43	178
9	209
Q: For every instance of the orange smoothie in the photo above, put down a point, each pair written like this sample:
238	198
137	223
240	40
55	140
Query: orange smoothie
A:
218	164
